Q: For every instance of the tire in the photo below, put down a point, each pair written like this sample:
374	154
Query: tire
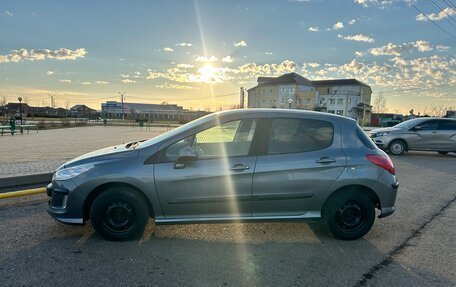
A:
443	152
349	215
119	214
396	147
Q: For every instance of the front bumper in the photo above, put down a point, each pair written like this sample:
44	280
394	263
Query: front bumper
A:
58	206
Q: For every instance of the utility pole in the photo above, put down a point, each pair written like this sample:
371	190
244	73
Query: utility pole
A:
52	102
122	97
242	97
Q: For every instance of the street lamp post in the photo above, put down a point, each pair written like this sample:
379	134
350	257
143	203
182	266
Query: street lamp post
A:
290	102
20	108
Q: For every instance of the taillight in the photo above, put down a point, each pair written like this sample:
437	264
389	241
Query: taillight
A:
382	161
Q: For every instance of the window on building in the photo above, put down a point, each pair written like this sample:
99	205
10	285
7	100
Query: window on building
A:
340	112
308	101
282	101
331	111
270	91
263	91
332	101
340	101
291	90
329	90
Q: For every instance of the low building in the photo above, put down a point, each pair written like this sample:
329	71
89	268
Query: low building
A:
83	111
160	112
347	97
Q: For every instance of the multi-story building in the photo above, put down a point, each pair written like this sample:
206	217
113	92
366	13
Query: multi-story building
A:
347	97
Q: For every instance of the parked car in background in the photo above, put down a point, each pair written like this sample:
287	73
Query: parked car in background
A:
425	134
239	165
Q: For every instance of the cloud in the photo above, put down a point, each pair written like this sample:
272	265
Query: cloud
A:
314	29
168	49
184	66
50	72
360	54
124	76
242	43
269	53
205	59
65	81
228	59
357	38
184	44
352	21
382	4
167	85
392	49
101	82
445	13
42	54
9	13
338	26
128	81
86	83
442	48
311	64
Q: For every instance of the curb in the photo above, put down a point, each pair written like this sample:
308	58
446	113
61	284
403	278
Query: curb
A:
25	180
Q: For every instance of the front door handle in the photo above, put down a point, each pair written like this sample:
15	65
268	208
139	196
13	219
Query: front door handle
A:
325	160
239	167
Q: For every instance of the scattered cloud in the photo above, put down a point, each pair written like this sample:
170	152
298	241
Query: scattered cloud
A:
228	59
42	54
392	49
124	76
184	66
352	21
442	48
360	54
205	59
382	4
445	13
167	85
241	43
357	38
65	81
338	26
168	49
86	83
9	13
101	82
314	29
183	44
269	53
128	81
50	72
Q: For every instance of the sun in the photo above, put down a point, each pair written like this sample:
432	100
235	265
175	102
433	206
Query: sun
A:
207	73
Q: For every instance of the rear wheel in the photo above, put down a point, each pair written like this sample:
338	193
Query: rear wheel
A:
349	215
396	147
119	213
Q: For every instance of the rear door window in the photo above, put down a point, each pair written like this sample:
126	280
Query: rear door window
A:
447	125
299	135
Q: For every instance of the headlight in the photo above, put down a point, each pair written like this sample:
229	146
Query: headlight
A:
67	173
380	134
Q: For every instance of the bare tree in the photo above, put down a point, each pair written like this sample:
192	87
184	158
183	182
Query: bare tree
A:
437	110
379	104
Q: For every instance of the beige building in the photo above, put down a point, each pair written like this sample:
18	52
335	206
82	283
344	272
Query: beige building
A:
346	97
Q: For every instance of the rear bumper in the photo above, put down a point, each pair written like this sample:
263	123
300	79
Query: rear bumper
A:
387	211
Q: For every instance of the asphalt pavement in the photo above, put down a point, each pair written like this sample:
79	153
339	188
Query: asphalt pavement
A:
413	247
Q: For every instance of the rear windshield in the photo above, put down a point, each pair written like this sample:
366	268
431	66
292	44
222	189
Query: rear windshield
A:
364	138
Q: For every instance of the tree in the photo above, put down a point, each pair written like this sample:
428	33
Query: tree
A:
379	104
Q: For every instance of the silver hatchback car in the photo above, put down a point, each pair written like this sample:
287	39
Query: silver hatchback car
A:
426	134
239	165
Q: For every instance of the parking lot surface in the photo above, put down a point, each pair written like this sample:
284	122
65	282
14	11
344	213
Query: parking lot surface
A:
413	247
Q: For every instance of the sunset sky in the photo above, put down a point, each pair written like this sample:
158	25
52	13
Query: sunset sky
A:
198	53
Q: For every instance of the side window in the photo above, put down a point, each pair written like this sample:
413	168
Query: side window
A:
226	140
428	126
299	135
447	125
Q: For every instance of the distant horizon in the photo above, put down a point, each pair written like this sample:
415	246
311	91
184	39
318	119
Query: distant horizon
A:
197	54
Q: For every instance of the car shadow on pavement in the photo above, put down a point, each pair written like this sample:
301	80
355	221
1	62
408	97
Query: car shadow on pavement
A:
235	254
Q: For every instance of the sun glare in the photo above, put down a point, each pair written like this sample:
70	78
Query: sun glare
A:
207	73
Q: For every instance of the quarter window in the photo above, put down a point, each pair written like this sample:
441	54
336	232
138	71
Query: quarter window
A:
299	135
447	125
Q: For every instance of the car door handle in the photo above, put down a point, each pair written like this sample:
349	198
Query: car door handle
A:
325	160
239	167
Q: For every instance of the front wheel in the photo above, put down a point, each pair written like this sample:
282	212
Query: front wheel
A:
349	215
396	147
119	214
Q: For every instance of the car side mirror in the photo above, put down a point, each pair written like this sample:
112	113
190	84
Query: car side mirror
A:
185	155
417	128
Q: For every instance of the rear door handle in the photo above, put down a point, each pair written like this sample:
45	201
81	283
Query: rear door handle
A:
239	167
325	160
